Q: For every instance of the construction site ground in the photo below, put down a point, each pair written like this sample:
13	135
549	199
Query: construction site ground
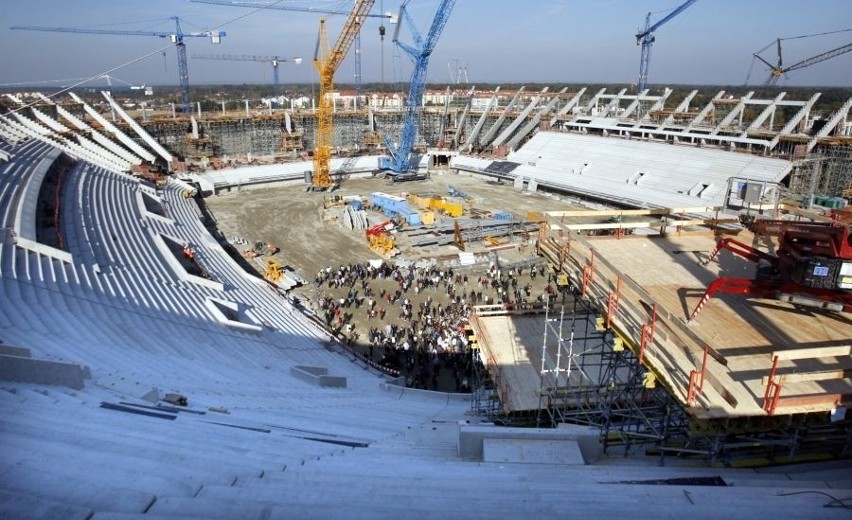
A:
744	333
310	238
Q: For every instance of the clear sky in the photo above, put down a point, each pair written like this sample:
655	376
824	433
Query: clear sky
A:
533	41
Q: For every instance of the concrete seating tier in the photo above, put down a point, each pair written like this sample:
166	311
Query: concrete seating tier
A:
635	172
253	441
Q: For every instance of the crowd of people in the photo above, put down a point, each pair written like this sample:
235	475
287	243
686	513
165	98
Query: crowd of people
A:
413	318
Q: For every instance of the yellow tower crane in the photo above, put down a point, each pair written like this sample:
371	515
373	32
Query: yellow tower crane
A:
326	62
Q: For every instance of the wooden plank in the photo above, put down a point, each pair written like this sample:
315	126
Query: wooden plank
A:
721	389
805	213
812	400
625	212
822	375
653	224
733	330
813	352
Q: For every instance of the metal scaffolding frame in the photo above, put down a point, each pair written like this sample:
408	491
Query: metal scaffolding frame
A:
602	384
826	171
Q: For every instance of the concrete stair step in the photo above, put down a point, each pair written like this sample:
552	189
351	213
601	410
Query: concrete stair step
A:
136	516
572	498
118	477
210	508
126	436
17	505
81	492
361	464
452	485
369	496
376	512
33	452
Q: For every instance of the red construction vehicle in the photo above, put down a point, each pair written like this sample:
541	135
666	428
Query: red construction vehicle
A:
812	267
380	239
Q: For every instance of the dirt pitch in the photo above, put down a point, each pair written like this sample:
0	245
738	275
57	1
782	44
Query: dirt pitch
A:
294	220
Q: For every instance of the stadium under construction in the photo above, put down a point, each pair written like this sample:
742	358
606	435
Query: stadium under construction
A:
695	253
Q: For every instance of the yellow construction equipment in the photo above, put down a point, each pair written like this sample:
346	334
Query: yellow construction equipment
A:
274	271
326	63
381	241
333	201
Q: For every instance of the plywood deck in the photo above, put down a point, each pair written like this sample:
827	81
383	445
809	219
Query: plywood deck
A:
514	345
743	334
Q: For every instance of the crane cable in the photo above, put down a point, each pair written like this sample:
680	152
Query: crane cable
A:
810	35
143	57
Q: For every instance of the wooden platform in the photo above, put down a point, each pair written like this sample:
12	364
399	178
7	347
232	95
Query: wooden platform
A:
743	335
512	346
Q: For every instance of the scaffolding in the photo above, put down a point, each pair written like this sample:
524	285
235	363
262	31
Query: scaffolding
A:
593	373
827	172
602	384
589	377
486	398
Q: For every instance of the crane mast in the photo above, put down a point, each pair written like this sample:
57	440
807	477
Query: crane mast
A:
177	38
645	38
776	71
326	62
400	156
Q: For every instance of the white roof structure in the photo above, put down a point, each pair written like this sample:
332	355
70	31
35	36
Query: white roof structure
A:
289	171
255	440
634	172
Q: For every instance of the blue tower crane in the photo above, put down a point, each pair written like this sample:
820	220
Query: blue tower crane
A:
273	60
177	38
646	38
400	156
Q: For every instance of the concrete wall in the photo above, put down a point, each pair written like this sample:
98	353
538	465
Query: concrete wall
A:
471	438
398	385
317	376
28	370
8	350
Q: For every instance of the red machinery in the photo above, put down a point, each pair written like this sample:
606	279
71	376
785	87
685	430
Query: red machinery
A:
380	239
813	265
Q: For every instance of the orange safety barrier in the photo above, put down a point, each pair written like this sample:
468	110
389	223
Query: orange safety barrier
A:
647	334
696	380
588	273
773	390
612	302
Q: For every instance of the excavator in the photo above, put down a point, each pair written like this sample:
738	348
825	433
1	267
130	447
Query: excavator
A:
812	266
